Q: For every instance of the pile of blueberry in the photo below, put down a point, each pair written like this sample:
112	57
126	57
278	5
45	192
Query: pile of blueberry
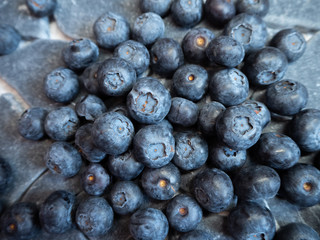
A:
133	136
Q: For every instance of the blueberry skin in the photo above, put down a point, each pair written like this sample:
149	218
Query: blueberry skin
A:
300	184
9	39
213	190
296	231
196	235
89	79
125	197
116	77
250	30
260	110
291	42
227	159
266	66
183	112
183	213
56	213
161	7
20	221
161	183
259	8
194	44
149	224
277	150
94	216
124	166
41	8
149	101
84	142
112	132
305	128
90	107
64	159
61	123
254	183
147	28
80	53
219	12
166	56
229	87
286	97
249	220
111	29
190	81
191	150
5	176
61	85
31	123
187	13
135	53
208	116
226	51
95	179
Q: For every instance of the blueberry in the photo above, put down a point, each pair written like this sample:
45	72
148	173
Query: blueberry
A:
260	110
64	159
227	159
250	221
226	51
9	39
191	150
166	56
160	7
89	78
291	42
296	231
95	179
56	212
111	29
149	224
277	150
250	30
84	142
229	87
161	183
266	66
196	235
80	53
286	97
112	132
5	176
149	101
135	53
208	116
124	166
213	189
120	108
61	124
20	221
254	183
116	77
219	12
305	130
238	127
94	216
194	44
147	28
184	213
187	13
191	82
301	185
260	7
90	107
41	8
183	112
125	197
31	123
61	85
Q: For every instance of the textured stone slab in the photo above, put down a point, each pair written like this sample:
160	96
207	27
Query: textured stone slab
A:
16	13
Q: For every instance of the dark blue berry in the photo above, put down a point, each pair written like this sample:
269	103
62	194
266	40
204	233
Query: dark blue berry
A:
160	7
260	7
90	107
5	176
9	39
296	231
219	12
260	110
41	8
187	13
89	78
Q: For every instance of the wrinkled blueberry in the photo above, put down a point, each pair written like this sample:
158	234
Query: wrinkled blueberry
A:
9	39
90	107
260	110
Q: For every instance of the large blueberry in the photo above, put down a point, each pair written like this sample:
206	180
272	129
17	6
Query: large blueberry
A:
9	39
187	13
219	12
